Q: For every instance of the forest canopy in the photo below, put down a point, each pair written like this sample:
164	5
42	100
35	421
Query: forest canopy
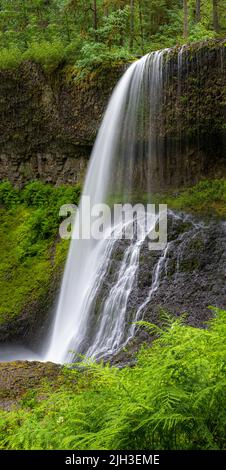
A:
89	32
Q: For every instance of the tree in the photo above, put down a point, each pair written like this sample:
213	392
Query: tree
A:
132	7
141	25
95	14
198	11
185	6
216	16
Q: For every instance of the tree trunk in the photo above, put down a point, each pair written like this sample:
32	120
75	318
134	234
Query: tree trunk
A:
106	10
132	2
67	28
95	15
215	16
141	26
185	4
198	11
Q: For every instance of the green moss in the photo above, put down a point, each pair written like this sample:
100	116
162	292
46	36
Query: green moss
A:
207	197
87	78
48	54
21	281
31	250
61	253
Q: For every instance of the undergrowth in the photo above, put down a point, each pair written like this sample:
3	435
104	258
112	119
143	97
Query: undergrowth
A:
173	398
208	196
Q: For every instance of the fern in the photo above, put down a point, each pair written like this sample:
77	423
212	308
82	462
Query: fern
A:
173	398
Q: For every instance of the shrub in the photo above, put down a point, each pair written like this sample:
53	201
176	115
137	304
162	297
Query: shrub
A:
10	58
199	32
38	226
36	194
94	55
49	54
9	196
42	220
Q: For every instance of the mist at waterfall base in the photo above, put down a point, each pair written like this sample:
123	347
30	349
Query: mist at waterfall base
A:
92	317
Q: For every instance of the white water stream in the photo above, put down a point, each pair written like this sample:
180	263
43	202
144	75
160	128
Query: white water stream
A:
117	166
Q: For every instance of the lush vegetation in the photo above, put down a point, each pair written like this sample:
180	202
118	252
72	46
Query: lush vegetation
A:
30	246
172	399
87	33
207	197
174	395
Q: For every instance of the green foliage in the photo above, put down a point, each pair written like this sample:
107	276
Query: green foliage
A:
208	196
173	398
40	194
88	33
199	32
49	54
9	195
96	54
36	194
21	280
40	228
10	58
28	234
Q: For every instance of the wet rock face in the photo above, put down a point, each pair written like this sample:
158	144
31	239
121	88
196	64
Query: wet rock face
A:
192	279
33	322
193	275
185	278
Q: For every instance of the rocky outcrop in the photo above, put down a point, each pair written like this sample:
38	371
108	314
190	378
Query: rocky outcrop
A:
48	122
190	272
32	323
193	274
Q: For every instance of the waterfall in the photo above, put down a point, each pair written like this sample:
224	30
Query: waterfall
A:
148	141
120	167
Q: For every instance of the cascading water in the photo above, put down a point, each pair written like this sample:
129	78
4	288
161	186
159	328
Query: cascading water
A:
119	167
111	283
